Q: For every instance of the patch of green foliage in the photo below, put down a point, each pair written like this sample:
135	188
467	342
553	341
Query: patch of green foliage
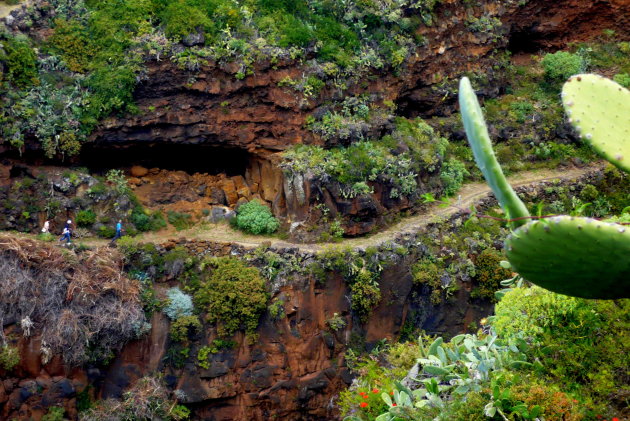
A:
233	295
583	343
179	220
20	60
255	218
489	274
183	327
85	218
55	413
452	175
361	273
9	357
561	65
362	162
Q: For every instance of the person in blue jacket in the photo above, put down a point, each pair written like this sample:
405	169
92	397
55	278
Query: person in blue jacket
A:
118	231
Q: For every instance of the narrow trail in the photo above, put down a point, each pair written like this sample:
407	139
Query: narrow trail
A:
469	194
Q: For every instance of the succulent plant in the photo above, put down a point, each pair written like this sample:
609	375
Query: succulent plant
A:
581	257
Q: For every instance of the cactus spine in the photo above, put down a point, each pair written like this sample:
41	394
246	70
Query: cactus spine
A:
581	257
481	145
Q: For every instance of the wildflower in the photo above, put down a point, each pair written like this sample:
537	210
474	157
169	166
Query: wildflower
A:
363	404
483	321
615	419
394	404
375	390
365	396
574	400
391	393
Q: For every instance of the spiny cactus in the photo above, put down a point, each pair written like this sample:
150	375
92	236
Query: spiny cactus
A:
484	155
581	257
599	109
573	256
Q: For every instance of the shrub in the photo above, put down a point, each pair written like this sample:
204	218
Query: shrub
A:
179	220
233	296
9	357
183	326
560	66
86	218
55	413
147	399
452	175
144	221
106	232
489	274
255	218
179	304
336	322
20	60
623	79
584	343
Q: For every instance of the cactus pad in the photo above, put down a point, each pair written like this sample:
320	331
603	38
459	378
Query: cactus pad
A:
599	109
581	257
477	134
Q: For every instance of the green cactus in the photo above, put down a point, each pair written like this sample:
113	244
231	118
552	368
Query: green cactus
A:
481	145
581	257
599	109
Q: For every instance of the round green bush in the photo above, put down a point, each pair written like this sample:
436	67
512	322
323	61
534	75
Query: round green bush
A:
256	218
86	218
560	66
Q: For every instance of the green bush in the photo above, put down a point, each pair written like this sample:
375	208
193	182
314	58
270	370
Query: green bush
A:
452	175
583	343
560	66
255	218
183	326
489	274
9	357
179	220
85	218
147	221
106	232
20	60
623	79
55	413
234	295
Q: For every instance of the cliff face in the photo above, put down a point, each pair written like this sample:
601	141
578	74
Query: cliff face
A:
296	364
292	371
261	116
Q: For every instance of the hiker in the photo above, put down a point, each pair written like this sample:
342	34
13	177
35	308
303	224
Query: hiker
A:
118	232
46	228
68	224
65	235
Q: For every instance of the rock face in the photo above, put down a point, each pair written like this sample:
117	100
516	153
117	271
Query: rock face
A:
292	371
261	118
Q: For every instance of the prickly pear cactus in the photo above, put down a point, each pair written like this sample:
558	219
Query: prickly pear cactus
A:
599	109
581	257
481	145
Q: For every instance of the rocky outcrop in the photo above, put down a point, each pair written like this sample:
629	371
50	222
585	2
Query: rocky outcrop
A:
262	117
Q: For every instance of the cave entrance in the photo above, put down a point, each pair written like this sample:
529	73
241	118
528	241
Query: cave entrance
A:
188	178
524	41
191	159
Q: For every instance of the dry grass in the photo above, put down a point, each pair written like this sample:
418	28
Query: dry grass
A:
147	399
76	301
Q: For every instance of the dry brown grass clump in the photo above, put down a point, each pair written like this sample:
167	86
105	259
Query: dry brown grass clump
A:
77	301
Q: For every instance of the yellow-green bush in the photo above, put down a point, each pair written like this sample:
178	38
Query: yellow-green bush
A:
233	295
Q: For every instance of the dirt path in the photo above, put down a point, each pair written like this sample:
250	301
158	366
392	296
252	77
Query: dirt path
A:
5	9
468	195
